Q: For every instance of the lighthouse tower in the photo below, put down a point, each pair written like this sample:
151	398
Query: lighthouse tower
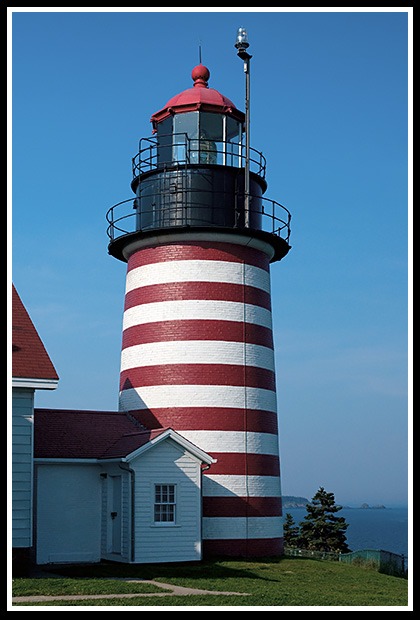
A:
197	348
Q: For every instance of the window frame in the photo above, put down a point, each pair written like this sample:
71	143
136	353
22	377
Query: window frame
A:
167	504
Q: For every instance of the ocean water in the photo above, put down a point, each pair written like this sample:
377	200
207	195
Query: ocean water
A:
370	528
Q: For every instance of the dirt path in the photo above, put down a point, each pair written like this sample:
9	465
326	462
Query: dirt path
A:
171	591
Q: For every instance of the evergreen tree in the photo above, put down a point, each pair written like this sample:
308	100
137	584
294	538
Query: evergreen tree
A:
291	532
322	530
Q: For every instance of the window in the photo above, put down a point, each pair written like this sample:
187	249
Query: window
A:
185	137
164	132
164	508
211	125
211	132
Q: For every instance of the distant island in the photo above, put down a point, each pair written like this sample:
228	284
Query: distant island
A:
293	501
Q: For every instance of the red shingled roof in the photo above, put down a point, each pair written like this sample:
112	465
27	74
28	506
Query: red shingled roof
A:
199	97
87	434
29	357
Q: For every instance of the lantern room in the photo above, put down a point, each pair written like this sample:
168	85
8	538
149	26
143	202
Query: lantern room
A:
196	171
204	120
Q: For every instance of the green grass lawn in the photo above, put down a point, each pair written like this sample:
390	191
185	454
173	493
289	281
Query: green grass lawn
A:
276	582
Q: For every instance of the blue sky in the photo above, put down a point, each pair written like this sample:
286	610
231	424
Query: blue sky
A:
330	95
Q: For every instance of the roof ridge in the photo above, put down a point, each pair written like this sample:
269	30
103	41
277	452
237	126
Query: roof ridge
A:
117	439
135	422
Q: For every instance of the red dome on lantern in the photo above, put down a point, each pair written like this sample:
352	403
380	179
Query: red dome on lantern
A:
200	74
199	97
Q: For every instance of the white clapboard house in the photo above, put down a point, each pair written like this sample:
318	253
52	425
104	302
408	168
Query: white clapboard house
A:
95	485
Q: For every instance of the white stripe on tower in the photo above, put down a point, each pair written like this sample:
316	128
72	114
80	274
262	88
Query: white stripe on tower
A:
197	356
197	309
195	352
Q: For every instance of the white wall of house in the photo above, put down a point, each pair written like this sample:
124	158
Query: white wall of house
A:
22	466
84	510
167	463
68	524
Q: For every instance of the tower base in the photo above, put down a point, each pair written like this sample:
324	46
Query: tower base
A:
254	548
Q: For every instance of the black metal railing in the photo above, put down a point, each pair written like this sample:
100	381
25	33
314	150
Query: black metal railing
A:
180	149
128	216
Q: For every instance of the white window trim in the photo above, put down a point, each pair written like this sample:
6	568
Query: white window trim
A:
174	523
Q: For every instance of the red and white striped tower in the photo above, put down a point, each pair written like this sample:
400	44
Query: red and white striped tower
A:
197	350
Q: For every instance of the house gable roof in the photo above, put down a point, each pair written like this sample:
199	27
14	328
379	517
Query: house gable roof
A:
73	434
98	435
169	433
30	360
